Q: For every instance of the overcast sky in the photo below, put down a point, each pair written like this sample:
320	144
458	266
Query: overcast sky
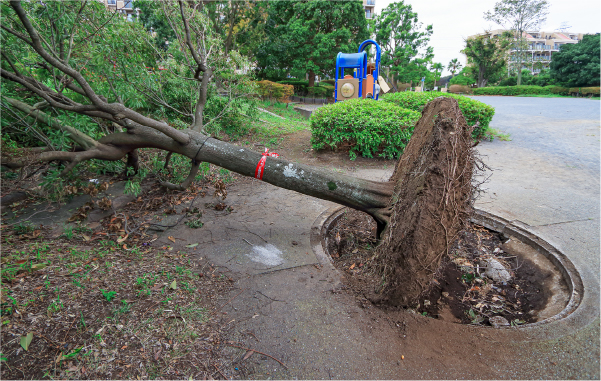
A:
454	20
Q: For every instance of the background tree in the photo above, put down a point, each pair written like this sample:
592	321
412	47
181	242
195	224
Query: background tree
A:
488	54
437	67
404	42
519	16
466	77
152	19
454	66
578	64
305	36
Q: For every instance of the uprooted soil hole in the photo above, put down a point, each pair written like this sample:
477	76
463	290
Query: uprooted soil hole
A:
482	281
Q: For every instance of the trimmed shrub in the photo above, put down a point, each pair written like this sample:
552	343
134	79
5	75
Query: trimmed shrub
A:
272	90
403	86
300	86
328	87
534	90
509	81
589	90
330	82
476	113
511	90
457	89
319	91
558	90
364	126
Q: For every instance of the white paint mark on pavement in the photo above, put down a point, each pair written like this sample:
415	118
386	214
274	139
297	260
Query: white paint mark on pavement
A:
268	255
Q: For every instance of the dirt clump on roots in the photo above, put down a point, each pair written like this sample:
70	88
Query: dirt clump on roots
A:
431	202
459	292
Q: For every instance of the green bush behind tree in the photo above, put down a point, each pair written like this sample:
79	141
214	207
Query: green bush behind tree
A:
367	127
476	113
536	90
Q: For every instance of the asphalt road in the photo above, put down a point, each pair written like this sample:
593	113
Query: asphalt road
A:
547	180
547	176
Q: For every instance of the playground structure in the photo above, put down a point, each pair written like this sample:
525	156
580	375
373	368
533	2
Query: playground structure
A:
365	81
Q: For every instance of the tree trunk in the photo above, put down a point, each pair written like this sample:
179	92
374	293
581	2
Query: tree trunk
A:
311	78
520	42
431	201
481	80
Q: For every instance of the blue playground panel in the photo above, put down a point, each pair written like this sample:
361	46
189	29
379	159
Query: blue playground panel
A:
357	62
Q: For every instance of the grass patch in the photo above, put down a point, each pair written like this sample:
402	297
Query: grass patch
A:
493	133
269	130
98	309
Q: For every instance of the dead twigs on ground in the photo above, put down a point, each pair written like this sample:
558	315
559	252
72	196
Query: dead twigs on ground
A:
254	350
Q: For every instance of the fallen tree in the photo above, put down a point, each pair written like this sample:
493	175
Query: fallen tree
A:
419	211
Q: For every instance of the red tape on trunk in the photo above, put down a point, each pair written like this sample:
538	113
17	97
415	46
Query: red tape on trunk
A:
261	164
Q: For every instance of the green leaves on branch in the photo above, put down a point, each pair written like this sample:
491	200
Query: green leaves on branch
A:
363	126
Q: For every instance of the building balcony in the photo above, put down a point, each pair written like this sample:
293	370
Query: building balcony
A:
371	2
369	15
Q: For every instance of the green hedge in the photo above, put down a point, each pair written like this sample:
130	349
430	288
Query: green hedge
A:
476	113
585	90
513	90
535	90
321	90
558	90
300	86
366	126
272	90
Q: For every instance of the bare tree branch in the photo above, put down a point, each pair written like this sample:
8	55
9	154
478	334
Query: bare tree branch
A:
17	34
186	183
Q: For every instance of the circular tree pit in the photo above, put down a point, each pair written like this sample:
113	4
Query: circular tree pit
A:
495	274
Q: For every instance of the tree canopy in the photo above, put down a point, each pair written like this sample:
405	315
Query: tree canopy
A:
519	16
454	66
404	42
488	54
305	36
578	64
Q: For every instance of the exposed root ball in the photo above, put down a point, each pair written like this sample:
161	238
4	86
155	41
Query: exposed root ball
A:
432	200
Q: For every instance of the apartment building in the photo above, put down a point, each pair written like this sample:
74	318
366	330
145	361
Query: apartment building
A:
540	46
126	7
369	6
